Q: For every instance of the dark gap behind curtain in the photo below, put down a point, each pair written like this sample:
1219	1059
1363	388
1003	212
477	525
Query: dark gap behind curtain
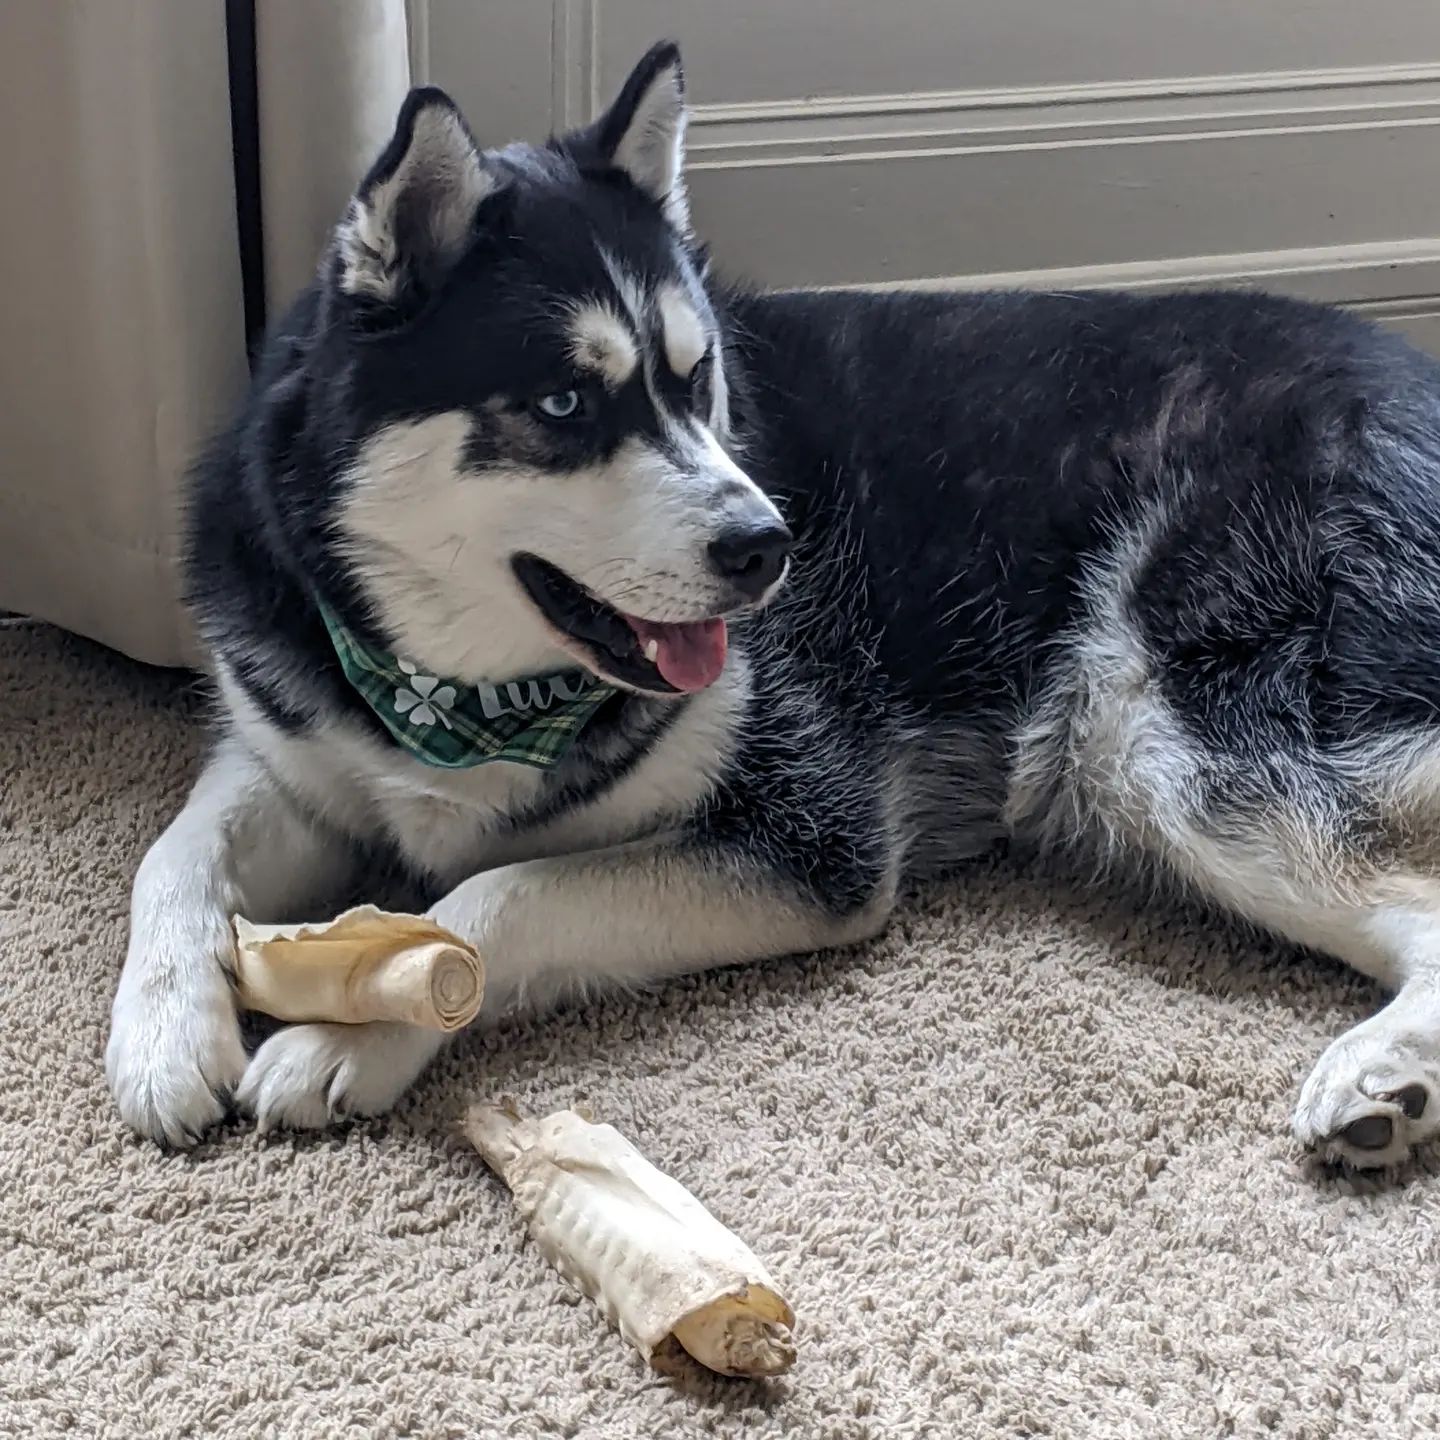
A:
245	154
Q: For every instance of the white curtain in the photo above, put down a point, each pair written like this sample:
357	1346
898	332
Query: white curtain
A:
122	307
331	79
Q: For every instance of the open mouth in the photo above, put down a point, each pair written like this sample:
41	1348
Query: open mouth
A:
664	659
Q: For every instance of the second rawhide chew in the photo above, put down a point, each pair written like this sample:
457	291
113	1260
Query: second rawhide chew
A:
364	965
639	1244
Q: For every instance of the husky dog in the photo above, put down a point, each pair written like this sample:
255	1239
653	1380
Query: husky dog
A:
652	624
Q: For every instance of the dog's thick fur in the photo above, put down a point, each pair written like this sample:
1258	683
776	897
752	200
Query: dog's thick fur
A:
1152	578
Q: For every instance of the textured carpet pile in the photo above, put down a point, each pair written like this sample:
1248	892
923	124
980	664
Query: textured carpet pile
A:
1023	1166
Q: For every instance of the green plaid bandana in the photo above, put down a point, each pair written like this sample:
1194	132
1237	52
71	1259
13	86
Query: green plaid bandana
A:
453	725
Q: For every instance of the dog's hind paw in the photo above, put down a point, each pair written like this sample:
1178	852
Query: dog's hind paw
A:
1371	1098
309	1076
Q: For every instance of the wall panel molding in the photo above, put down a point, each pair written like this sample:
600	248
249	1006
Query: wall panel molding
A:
1395	284
1323	182
1388	272
793	132
574	62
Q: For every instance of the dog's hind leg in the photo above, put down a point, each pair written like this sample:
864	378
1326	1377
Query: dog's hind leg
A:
1329	865
1375	1092
1334	856
1334	846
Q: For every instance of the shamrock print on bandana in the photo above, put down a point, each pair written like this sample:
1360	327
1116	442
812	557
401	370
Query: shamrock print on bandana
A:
426	700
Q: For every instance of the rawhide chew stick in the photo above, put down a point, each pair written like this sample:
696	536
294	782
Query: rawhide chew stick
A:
366	964
637	1242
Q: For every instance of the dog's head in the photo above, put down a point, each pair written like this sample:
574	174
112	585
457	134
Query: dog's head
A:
534	383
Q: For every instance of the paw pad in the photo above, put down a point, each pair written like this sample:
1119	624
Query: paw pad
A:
1412	1099
1370	1132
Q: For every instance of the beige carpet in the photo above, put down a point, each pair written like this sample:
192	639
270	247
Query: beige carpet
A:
1023	1166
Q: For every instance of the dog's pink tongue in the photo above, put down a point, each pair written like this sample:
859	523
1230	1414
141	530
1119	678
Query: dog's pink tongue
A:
689	656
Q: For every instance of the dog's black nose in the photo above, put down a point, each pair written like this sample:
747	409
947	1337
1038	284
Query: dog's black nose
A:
751	560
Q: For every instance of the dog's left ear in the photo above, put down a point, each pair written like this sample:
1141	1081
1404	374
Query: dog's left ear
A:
643	132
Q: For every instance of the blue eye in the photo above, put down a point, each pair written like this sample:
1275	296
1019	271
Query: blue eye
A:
562	405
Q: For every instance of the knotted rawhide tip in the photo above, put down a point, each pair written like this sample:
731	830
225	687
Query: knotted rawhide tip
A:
364	965
636	1242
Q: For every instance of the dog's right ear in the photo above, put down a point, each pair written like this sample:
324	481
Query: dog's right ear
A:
642	134
414	213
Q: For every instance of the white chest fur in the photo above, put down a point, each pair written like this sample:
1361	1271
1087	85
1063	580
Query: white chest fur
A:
454	823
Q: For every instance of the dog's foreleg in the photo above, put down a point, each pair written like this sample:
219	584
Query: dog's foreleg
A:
575	923
640	912
240	844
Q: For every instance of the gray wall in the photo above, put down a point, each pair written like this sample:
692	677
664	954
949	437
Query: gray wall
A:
1061	143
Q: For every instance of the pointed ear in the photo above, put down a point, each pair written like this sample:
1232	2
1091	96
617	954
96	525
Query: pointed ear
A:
414	213
643	132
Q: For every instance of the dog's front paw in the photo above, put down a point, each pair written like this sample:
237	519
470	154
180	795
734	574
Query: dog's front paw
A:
173	1061
310	1076
1371	1098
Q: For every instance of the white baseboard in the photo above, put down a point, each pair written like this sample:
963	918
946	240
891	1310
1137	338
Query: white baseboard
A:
1394	283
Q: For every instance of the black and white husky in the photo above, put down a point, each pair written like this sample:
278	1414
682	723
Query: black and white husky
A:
851	584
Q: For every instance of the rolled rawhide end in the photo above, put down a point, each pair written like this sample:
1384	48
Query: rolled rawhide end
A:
364	965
